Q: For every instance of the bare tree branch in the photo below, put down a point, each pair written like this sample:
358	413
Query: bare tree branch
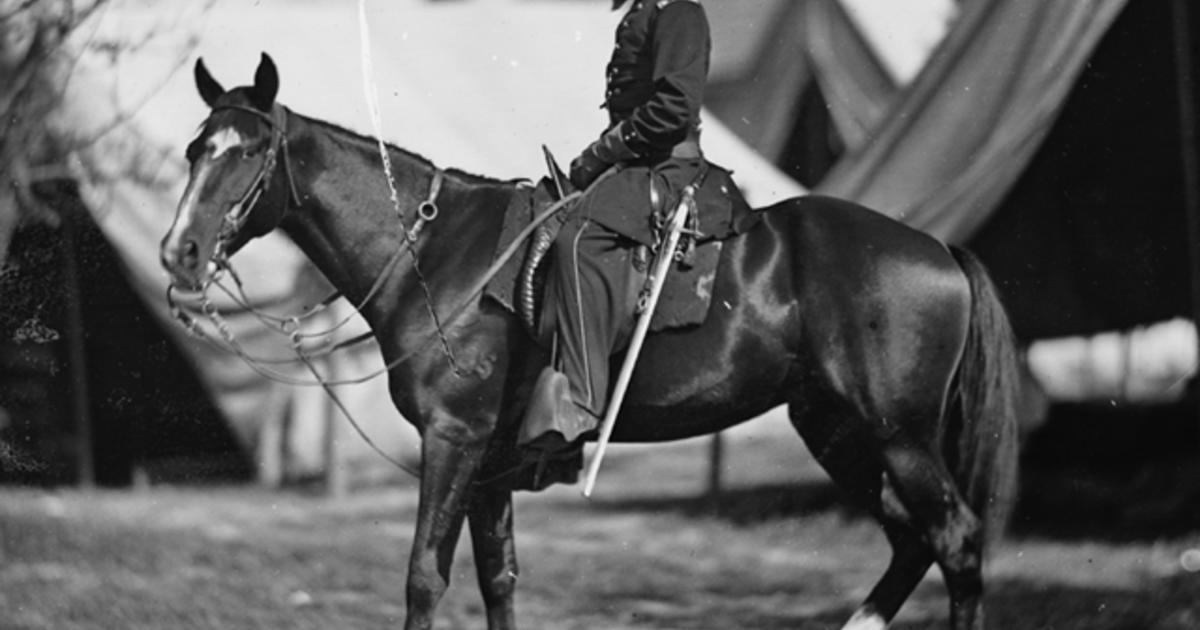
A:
31	31
42	46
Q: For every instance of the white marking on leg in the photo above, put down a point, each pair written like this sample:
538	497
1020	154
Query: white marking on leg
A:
865	619
223	140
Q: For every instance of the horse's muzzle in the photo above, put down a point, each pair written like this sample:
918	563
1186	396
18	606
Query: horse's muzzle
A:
181	259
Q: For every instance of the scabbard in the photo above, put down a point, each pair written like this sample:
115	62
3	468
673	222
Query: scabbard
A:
662	266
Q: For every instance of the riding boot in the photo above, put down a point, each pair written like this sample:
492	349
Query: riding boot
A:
552	434
553	422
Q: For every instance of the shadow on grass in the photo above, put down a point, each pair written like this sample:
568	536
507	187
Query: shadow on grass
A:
1158	604
744	506
1058	506
1160	502
1061	508
1162	604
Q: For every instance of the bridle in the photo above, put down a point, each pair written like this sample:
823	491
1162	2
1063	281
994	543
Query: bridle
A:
276	121
233	222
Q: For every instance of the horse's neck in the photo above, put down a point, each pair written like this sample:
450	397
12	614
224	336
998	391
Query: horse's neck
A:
348	224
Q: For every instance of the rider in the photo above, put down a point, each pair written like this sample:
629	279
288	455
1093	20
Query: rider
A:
655	83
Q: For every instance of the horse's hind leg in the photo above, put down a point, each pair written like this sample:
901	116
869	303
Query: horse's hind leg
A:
926	520
954	534
910	562
839	447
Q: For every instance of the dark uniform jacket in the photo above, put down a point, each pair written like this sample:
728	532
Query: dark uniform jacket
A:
655	86
657	73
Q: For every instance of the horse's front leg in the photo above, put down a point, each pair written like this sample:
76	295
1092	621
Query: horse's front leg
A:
451	453
491	522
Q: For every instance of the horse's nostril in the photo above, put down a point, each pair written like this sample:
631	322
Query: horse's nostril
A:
191	254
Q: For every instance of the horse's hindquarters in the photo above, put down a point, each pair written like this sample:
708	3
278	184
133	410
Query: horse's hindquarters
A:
735	365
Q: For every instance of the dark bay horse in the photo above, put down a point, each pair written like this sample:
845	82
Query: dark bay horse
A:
891	350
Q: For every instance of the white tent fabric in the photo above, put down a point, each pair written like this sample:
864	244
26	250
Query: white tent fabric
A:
1146	365
475	85
902	34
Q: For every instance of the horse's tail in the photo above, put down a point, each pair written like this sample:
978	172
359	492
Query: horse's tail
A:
988	387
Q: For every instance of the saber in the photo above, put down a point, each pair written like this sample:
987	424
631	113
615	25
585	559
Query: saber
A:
662	264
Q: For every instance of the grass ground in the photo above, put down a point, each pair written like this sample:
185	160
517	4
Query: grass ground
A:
778	551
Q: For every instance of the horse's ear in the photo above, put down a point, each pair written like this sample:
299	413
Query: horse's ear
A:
209	89
266	84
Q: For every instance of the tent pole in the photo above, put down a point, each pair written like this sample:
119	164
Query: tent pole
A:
716	464
76	354
336	482
1185	90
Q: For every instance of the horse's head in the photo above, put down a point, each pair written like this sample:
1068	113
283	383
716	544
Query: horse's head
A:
235	191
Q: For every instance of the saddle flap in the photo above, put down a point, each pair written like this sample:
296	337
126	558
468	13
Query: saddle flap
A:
687	294
518	285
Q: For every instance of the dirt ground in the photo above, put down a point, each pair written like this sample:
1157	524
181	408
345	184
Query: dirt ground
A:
777	551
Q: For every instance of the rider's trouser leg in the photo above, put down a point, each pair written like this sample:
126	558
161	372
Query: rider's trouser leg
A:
589	296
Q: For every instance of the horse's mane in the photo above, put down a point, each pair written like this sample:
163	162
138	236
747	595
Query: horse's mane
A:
468	177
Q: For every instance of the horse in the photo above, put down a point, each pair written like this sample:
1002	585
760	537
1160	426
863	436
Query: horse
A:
891	349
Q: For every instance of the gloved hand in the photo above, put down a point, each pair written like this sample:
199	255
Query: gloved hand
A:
586	168
611	148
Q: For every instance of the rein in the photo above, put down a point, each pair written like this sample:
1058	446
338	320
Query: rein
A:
232	223
427	211
228	342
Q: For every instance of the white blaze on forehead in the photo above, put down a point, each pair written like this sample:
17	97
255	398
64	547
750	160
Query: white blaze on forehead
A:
188	212
223	140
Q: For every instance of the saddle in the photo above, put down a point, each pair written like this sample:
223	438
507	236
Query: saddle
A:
687	293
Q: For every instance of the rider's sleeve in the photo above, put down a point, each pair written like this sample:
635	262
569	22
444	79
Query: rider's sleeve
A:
680	49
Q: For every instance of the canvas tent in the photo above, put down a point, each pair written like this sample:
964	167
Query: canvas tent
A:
941	151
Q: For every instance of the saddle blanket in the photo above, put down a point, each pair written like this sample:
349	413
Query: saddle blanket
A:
686	294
